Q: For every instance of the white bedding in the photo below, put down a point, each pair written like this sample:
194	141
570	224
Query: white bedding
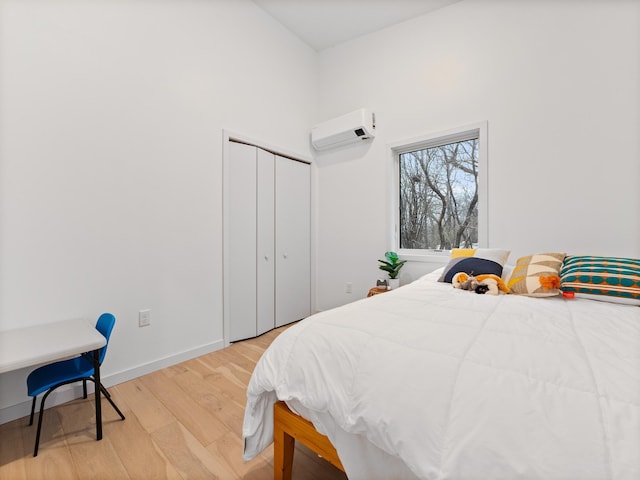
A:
432	382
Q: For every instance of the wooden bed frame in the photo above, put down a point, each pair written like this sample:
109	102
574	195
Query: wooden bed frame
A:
289	427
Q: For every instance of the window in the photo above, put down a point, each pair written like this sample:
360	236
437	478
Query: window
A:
439	191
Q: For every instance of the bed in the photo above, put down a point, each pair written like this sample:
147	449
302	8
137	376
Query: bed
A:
429	381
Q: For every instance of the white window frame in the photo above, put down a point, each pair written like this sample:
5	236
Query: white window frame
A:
453	135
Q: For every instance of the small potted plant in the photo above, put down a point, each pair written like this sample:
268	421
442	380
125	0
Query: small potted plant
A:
392	266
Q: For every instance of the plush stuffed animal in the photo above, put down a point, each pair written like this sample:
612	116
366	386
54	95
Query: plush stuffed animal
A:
495	283
487	283
464	281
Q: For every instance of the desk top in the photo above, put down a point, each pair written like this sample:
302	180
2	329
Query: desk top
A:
25	347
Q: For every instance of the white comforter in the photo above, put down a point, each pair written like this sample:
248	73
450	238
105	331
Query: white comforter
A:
432	382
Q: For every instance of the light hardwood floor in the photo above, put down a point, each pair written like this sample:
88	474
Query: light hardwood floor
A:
183	422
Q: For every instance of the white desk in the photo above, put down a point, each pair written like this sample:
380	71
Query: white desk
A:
26	347
31	346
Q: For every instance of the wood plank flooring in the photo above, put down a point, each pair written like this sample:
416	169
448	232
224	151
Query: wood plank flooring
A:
183	422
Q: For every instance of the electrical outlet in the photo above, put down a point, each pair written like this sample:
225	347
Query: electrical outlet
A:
348	287
144	318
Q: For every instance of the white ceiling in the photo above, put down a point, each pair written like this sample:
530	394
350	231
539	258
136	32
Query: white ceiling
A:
325	23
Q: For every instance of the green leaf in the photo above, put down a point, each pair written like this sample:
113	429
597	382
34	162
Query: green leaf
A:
392	257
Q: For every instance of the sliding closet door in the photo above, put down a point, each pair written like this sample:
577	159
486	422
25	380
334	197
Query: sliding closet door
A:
265	242
240	247
293	240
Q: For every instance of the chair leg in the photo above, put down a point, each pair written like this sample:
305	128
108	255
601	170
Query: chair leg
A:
33	409
35	449
33	406
99	389
108	397
84	388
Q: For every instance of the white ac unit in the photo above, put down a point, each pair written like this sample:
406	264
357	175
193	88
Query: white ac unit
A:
349	128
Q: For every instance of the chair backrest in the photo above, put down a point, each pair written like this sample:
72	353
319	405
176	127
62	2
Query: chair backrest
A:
105	325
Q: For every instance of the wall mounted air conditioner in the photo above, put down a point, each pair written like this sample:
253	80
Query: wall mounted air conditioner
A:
349	128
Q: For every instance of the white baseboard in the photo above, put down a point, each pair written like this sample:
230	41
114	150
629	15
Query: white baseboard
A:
71	392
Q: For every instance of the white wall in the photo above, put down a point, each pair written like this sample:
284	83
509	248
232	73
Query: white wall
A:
111	125
111	118
558	83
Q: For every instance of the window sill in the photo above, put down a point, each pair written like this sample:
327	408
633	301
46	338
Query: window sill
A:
440	258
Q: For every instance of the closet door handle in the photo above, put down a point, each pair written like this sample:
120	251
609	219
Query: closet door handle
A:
266	257
285	255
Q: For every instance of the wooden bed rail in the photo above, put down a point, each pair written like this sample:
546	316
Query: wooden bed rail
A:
289	427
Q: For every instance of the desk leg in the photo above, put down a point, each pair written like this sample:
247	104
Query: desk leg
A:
96	375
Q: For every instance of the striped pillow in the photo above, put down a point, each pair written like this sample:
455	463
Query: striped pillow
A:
610	279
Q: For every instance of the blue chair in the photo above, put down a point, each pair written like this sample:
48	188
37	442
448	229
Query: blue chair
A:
54	375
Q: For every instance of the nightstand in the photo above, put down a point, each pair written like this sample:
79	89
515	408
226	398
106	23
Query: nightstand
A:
376	290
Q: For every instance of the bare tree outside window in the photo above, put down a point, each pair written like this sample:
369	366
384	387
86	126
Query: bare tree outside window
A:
439	196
